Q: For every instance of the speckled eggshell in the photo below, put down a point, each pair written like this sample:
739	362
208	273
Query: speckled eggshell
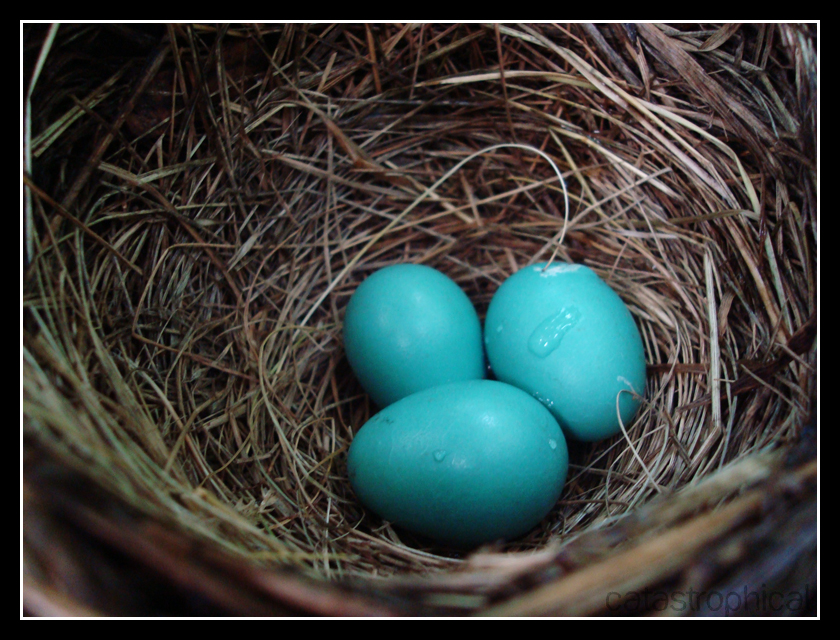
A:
564	336
409	327
464	463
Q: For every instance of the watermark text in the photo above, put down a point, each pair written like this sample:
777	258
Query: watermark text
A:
763	601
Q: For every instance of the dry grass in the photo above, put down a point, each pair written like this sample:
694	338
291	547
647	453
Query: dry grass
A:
204	205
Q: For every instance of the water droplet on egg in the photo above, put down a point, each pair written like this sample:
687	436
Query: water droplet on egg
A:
547	402
551	331
552	444
556	269
624	380
439	455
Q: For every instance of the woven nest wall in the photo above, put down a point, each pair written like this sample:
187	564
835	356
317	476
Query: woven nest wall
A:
201	201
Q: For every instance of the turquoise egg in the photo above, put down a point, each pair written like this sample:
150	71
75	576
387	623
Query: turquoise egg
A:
464	463
561	334
409	327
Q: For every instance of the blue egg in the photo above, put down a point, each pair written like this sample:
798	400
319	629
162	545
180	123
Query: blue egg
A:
564	336
463	463
409	327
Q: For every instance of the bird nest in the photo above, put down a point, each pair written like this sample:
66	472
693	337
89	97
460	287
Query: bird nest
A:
200	202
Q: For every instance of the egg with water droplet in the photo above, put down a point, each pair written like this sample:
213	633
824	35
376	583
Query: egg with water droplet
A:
568	340
409	327
463	463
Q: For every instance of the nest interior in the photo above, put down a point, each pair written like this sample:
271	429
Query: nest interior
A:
202	200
